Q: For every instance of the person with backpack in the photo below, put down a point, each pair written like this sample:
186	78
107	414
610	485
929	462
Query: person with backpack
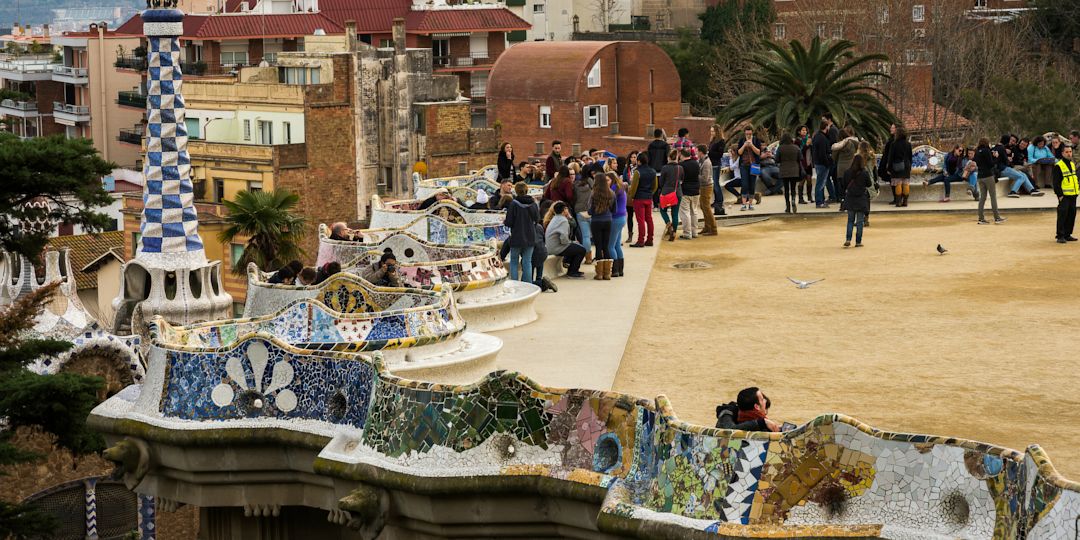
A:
749	412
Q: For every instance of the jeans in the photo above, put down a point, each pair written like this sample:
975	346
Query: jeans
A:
986	187
946	179
748	181
671	215
689	209
524	255
584	230
717	189
854	220
601	231
770	176
732	187
615	243
573	255
822	176
643	216
1020	180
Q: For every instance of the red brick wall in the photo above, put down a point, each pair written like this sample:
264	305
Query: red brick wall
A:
47	93
450	140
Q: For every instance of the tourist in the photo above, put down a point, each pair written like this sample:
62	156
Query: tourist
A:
658	151
970	171
642	187
1041	160
441	194
770	173
284	276
856	181
554	160
482	200
749	412
820	149
386	271
787	155
683	142
521	214
806	164
984	161
950	172
899	164
327	270
601	205
867	153
627	175
749	152
706	191
717	145
843	154
883	168
583	188
507	169
671	177
618	221
539	256
1056	145
561	187
307	276
1074	140
558	242
833	134
1066	188
502	197
1002	153
690	201
341	231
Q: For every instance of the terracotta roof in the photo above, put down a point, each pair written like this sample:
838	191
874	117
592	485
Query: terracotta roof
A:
247	26
85	248
928	116
371	16
463	20
565	65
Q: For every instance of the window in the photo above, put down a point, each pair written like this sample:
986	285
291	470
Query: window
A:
918	13
192	125
270	57
980	4
440	51
594	75
920	32
234	58
247	130
545	116
652	88
821	30
538	8
254	187
298	75
779	31
596	116
478	84
287	128
838	31
266	132
219	190
235	252
386	43
135	241
883	14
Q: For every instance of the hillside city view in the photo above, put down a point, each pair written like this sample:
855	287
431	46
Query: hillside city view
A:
396	269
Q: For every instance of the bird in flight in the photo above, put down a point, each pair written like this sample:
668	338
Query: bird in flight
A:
804	284
941	250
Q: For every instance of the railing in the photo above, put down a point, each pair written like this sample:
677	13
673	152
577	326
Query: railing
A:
77	110
131	98
19	105
131	62
463	60
30	66
131	136
71	71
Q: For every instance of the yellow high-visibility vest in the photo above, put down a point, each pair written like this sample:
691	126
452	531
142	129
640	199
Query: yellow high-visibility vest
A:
1069	186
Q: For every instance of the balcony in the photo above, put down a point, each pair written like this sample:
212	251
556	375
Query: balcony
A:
26	68
20	109
137	63
276	156
69	115
463	62
132	136
131	98
71	75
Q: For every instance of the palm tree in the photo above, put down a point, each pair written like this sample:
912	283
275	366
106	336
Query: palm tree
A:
273	232
797	85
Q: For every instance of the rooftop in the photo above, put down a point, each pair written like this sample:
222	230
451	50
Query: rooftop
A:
242	26
88	248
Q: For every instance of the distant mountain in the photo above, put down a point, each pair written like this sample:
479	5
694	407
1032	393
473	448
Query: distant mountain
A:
38	12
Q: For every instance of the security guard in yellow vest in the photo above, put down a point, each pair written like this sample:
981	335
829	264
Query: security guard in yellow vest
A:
1066	188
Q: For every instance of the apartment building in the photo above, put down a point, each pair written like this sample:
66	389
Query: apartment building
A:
28	92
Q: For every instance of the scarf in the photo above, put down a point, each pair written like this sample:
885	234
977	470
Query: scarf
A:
754	414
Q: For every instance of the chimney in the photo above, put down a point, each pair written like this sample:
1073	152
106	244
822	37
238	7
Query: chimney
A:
350	35
399	36
16	30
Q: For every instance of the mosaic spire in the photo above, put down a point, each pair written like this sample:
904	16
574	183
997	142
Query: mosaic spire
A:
169	235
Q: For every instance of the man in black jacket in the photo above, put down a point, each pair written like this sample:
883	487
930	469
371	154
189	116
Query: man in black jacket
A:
984	158
1066	188
658	151
820	150
749	412
690	205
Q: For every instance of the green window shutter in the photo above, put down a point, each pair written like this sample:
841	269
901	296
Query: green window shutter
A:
515	36
515	3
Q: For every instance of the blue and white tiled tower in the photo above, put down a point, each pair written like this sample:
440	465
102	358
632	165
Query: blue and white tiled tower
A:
170	275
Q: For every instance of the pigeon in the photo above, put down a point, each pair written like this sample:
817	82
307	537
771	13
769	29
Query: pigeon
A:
804	284
941	250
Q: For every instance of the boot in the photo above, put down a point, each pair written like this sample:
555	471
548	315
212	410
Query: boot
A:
617	270
608	263
598	267
903	200
588	257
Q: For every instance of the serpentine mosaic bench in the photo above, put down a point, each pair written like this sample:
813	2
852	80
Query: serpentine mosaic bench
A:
397	214
485	298
428	228
642	471
420	332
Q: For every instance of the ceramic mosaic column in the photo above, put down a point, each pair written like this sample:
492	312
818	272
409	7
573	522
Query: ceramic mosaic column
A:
169	234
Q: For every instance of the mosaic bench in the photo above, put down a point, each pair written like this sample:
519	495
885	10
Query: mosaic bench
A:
398	214
466	190
420	332
485	298
428	228
643	471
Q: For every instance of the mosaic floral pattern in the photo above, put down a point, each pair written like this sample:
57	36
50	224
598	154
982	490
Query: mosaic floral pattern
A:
401	213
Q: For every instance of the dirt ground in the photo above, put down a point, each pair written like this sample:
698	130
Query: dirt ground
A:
980	343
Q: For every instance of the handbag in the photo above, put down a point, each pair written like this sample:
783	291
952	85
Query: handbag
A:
755	169
667	200
898	167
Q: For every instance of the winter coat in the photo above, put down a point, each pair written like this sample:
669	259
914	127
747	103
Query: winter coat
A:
843	153
521	216
582	194
671	179
691	183
856	196
787	156
899	152
658	151
643	184
557	237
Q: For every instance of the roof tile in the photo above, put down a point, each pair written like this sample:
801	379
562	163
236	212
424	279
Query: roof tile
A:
84	249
